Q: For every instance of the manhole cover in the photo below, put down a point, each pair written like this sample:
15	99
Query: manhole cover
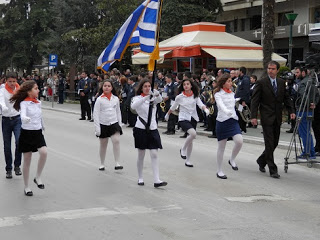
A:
257	198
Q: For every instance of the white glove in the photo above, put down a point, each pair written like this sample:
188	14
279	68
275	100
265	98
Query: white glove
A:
166	117
207	112
26	119
155	93
229	113
98	132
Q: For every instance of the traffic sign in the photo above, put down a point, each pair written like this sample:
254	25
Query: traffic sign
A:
53	60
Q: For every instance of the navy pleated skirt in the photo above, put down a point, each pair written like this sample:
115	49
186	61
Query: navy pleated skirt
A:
146	140
227	129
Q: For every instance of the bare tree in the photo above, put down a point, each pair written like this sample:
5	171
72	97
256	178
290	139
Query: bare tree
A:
268	30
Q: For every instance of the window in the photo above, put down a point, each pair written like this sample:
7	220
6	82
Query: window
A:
317	15
243	24
282	19
235	25
255	22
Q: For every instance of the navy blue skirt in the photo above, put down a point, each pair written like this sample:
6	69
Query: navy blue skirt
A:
108	131
31	140
146	140
186	125
227	129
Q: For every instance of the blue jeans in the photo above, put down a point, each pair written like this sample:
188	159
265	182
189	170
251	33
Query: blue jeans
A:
10	125
305	133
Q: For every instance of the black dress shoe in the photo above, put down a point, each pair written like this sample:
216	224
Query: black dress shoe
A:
188	165
261	169
184	136
162	184
91	120
141	183
234	168
221	177
101	168
166	132
118	167
41	186
275	175
170	133
29	193
212	136
9	174
183	157
17	171
82	119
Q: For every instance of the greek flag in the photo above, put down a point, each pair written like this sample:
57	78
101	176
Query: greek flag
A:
139	29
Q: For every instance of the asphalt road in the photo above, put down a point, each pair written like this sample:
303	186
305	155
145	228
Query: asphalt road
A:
80	202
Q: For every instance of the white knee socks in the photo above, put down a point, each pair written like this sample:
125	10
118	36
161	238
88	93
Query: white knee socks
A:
220	152
238	140
141	154
154	162
186	150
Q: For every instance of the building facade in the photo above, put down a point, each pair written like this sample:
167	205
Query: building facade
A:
243	18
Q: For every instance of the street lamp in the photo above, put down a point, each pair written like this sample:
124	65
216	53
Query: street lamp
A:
291	17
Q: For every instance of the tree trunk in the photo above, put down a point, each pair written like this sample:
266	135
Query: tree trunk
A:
268	31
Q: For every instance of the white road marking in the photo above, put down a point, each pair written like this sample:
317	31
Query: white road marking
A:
85	213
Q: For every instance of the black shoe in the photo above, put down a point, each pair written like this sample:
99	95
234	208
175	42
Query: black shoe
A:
221	177
170	133
41	186
261	169
82	118
17	171
141	183
91	120
290	130
274	175
29	193
234	168
184	136
118	167
162	184
183	157
101	168
188	165
212	136
9	174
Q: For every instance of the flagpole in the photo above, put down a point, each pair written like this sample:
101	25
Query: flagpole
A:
155	67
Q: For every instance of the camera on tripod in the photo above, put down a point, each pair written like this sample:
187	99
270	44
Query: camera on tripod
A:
311	62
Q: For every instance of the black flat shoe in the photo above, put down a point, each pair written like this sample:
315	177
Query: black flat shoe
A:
261	169
118	167
29	193
141	183
82	119
275	175
188	165
162	184
41	186
221	177
101	168
183	157
234	168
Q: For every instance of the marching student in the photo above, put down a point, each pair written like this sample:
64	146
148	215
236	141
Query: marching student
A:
188	99
147	137
107	117
227	124
31	137
11	123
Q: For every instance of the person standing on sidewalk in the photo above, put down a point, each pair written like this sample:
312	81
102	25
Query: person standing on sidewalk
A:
268	96
31	137
11	123
107	121
83	91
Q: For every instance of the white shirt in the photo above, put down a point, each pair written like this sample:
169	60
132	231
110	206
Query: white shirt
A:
31	116
5	103
188	107
141	105
107	112
225	103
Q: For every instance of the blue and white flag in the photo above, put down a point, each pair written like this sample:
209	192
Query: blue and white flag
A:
139	29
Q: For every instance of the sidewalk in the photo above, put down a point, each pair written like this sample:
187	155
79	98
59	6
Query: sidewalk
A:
252	136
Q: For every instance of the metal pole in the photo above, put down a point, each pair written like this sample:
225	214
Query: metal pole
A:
290	47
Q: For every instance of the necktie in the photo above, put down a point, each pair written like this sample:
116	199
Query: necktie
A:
274	87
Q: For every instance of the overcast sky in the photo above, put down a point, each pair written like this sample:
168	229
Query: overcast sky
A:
3	1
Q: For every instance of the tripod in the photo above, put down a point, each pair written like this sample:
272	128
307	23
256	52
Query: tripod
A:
303	115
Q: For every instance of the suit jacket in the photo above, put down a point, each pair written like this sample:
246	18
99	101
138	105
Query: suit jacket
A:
269	103
243	89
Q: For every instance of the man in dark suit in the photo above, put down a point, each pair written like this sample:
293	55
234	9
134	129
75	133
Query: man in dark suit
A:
268	96
132	118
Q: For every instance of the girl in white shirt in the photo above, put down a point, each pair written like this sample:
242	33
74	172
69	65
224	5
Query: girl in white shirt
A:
187	99
227	123
147	137
107	117
31	137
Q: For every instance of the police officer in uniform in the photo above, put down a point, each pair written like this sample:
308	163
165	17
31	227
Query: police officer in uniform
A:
84	91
